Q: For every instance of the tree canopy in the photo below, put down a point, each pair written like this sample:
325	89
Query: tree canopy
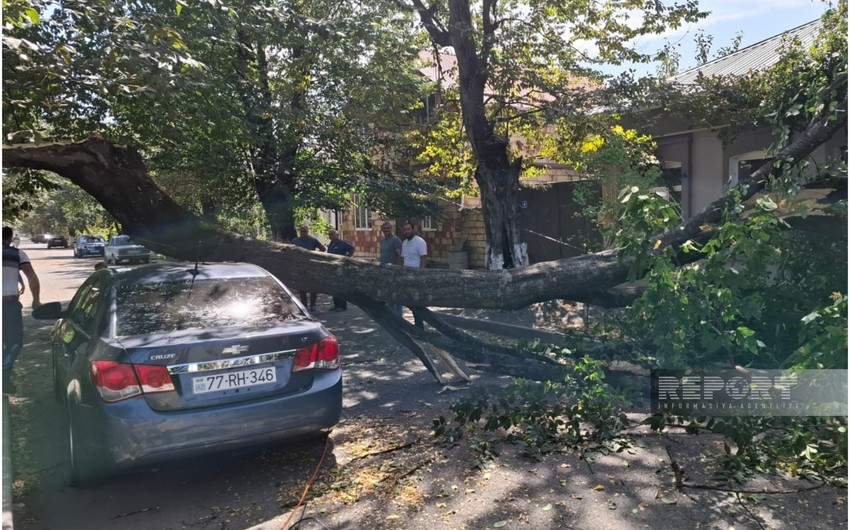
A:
229	102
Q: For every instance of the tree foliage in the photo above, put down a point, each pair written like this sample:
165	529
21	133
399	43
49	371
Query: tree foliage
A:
231	102
519	62
772	274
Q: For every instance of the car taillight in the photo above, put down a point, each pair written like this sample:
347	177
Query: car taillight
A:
154	378
322	356
116	381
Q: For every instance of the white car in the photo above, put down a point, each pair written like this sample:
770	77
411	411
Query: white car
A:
122	248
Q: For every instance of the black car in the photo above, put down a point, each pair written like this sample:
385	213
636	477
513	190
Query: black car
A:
57	241
168	361
89	246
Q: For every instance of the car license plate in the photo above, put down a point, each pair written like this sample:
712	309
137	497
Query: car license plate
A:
230	380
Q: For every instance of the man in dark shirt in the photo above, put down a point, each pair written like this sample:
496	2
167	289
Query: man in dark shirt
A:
391	254
341	248
305	240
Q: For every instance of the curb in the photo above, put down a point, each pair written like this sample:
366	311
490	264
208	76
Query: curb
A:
7	468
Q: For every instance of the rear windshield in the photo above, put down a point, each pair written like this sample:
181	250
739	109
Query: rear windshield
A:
171	306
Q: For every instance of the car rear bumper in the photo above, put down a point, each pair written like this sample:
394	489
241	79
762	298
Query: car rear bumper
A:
131	434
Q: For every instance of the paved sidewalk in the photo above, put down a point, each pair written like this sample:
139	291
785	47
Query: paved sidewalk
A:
7	468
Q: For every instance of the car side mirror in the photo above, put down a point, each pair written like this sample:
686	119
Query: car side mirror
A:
48	311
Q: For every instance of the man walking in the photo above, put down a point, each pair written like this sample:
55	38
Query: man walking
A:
414	251
390	254
340	248
15	261
305	240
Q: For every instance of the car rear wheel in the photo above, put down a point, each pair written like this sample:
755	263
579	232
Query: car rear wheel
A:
86	469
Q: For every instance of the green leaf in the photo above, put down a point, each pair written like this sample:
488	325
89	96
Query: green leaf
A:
32	14
745	331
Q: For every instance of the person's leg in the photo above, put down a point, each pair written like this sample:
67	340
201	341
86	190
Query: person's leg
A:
313	301
417	318
303	296
13	340
340	304
395	309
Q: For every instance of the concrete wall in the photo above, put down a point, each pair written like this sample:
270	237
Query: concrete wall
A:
707	171
705	160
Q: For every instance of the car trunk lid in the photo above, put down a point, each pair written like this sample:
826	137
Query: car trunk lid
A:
220	367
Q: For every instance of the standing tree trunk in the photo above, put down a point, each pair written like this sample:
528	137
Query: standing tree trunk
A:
499	189
496	175
273	159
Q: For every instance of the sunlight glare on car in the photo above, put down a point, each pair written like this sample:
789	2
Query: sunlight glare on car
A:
239	310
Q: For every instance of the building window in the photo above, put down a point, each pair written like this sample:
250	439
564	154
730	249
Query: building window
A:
743	165
362	214
428	224
331	217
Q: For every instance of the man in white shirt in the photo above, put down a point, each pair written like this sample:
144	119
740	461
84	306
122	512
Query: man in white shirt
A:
14	262
414	251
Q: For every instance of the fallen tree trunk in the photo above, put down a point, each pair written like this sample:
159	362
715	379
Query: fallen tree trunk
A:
116	177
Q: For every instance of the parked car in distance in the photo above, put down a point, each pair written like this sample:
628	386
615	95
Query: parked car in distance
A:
57	241
168	361
40	238
122	248
89	246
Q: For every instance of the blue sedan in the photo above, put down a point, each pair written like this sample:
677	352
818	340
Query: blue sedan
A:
167	361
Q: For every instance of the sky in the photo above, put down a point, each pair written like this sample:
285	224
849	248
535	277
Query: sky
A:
756	19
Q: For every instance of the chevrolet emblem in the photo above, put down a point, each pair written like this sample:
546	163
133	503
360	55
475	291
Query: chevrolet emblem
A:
236	349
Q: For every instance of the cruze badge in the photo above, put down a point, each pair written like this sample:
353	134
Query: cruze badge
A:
236	349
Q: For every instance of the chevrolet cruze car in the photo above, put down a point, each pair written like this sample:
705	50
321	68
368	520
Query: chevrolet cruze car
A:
166	361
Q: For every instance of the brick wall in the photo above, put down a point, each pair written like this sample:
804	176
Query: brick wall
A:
450	231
